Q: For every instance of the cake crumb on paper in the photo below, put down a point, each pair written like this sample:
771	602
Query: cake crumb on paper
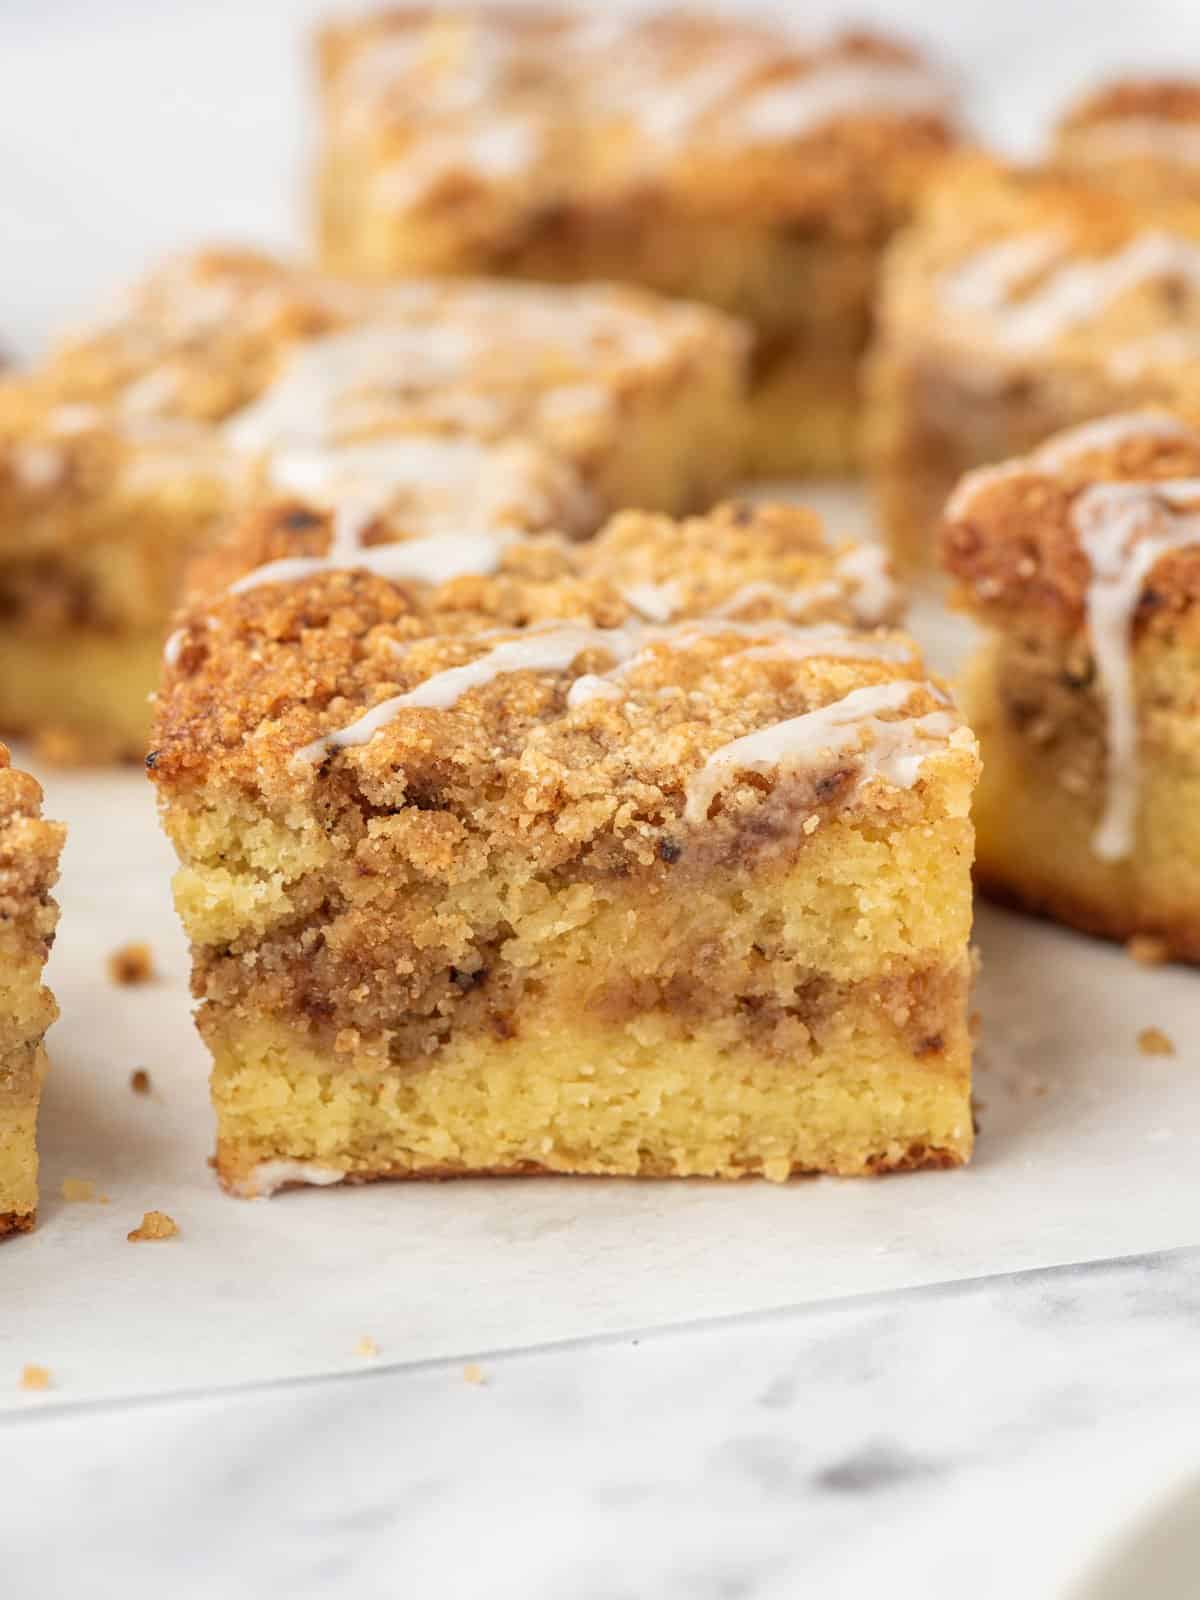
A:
1146	949
34	1377
155	1225
131	963
78	1190
473	1373
1154	1042
139	1081
367	1348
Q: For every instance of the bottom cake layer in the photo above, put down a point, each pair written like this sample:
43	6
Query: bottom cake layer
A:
1037	808
631	1100
81	695
20	1085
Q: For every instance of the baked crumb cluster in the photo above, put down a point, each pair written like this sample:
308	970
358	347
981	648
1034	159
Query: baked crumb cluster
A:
226	378
29	851
401	804
729	161
1083	559
1021	303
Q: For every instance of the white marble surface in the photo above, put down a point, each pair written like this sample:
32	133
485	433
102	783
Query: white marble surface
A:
981	1440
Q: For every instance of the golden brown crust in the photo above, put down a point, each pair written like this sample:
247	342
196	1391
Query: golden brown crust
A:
917	1157
1011	541
17	1222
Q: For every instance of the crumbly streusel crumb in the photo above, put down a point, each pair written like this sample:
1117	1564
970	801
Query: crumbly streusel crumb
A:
131	963
35	1377
139	1081
366	1348
473	1373
1147	950
154	1225
1154	1042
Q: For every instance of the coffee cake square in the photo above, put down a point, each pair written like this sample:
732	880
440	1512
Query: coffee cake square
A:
641	857
724	160
1022	302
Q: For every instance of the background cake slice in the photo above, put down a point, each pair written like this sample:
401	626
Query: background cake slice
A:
225	377
1020	303
724	160
29	851
500	874
1083	562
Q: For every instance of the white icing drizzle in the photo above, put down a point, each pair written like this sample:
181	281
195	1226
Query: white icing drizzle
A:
591	686
896	751
1063	449
173	648
494	152
549	650
1136	138
1108	433
1073	294
986	279
553	646
437	559
878	594
450	85
1169	347
658	601
828	93
269	1176
1124	528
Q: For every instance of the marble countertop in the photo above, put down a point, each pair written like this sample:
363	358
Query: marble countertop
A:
980	1439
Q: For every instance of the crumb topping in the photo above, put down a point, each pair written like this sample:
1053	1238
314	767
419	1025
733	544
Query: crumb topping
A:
1014	535
555	657
35	1377
1154	1042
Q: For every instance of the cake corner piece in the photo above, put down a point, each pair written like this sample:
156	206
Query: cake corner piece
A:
1082	562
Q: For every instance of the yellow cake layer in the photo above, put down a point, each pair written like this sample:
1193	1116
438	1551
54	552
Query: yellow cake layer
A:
803	417
20	1083
584	1098
84	694
1034	831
